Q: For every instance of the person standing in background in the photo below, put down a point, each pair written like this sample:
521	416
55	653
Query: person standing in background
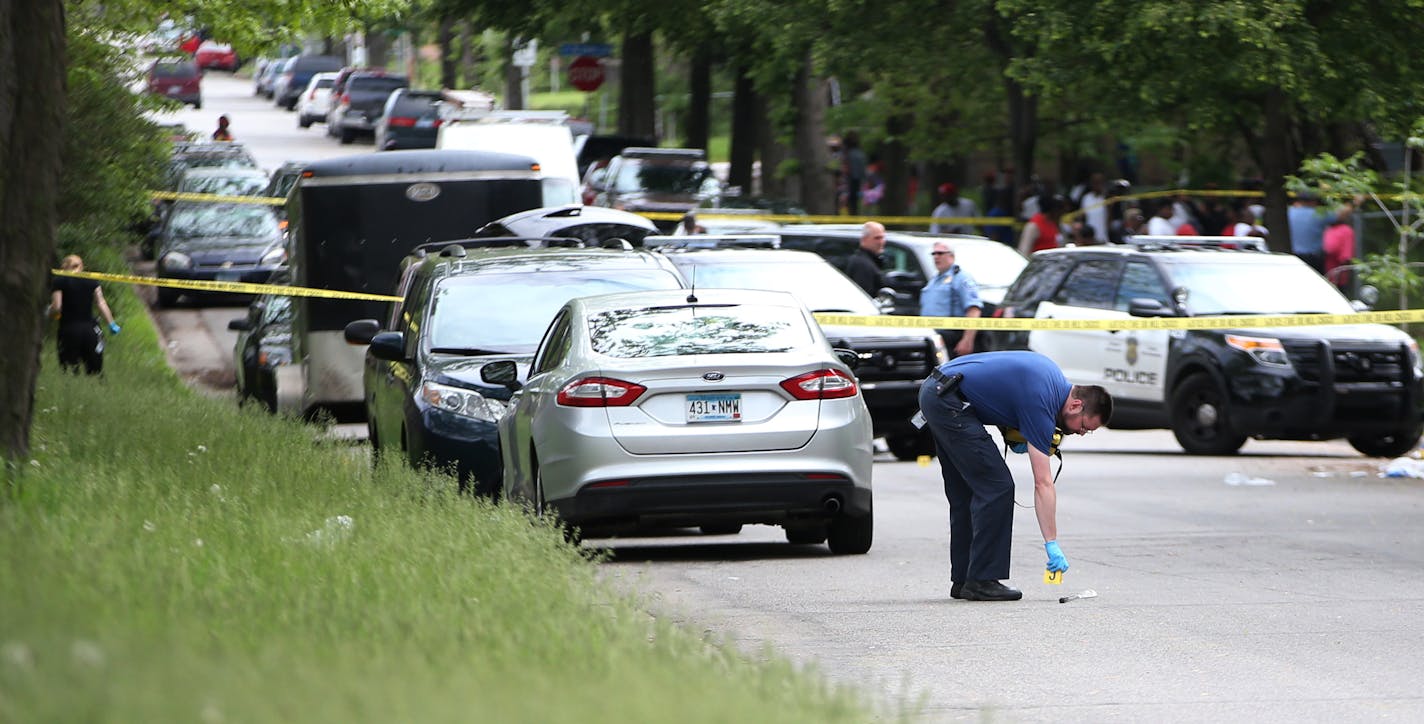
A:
854	171
224	131
1041	230
72	302
952	205
864	265
1307	228
951	293
1093	202
1339	245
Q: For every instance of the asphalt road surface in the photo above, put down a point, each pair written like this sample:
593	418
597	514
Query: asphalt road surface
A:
1281	584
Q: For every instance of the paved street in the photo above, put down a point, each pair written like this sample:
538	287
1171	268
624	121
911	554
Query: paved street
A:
1294	594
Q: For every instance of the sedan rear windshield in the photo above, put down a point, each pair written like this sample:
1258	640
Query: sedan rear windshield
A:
509	312
219	220
689	330
175	70
818	285
378	84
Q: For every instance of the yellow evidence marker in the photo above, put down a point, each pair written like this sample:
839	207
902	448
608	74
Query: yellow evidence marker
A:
1053	577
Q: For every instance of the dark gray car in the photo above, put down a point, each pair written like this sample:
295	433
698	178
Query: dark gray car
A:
410	119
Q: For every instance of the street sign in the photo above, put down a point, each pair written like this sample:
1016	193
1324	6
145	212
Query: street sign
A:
596	50
586	73
525	54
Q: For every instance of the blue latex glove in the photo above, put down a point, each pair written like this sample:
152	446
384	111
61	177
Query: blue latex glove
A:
1056	561
113	327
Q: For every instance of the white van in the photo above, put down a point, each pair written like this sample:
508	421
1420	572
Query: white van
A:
541	135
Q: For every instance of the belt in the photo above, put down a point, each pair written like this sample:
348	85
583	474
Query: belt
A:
949	385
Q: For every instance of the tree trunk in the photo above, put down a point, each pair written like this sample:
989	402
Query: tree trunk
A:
513	89
1276	162
32	103
894	155
378	48
700	107
636	110
445	36
744	133
773	154
468	77
1023	130
818	193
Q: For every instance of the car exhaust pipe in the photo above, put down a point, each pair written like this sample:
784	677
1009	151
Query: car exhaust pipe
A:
832	504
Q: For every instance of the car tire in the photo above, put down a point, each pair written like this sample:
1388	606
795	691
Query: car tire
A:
911	446
1392	445
198	106
168	297
806	535
347	137
721	529
1199	417
851	534
304	121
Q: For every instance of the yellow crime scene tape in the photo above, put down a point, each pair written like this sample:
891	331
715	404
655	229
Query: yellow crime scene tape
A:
1133	323
218	198
229	287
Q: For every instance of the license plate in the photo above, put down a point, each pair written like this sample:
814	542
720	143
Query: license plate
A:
425	123
229	276
174	90
714	407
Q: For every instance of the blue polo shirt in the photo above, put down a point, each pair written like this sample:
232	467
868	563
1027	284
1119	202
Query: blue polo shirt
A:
1019	389
950	294
1307	229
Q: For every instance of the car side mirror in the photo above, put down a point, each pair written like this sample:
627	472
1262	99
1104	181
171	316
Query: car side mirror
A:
1148	308
848	357
241	324
1369	295
389	346
885	300
504	373
361	331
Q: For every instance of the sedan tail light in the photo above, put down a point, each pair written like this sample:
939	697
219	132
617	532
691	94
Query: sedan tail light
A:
824	384
599	392
401	122
346	99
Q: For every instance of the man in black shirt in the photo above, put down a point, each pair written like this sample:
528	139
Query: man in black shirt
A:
72	301
863	266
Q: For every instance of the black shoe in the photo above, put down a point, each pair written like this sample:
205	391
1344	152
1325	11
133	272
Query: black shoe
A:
989	591
956	589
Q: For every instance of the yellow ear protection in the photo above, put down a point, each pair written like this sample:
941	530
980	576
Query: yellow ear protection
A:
1015	441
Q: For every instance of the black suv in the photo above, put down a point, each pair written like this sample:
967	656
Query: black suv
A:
1215	388
464	307
893	361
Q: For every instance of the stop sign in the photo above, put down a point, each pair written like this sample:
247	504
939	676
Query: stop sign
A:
586	73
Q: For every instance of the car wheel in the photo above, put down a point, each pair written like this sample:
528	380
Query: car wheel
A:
806	535
1199	417
538	487
198	106
722	529
304	121
347	136
1392	445
851	535
911	446
168	296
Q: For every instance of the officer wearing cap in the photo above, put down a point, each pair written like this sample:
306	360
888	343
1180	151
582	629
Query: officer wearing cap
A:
951	293
1021	390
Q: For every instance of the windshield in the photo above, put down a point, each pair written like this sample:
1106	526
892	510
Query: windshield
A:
509	312
658	176
225	185
558	191
214	220
685	330
991	265
1261	285
818	285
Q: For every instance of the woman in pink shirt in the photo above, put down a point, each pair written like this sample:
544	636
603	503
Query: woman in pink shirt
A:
1339	246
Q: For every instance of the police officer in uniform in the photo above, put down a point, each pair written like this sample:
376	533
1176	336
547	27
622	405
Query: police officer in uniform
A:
951	293
1022	390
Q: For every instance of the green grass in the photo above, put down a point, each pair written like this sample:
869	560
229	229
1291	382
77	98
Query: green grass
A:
167	557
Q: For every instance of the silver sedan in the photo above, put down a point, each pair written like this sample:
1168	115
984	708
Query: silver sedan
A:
714	408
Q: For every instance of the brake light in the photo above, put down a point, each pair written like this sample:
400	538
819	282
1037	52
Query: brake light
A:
599	392
401	122
824	384
346	99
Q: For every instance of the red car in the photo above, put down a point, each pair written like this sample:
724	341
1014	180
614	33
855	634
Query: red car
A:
180	80
216	55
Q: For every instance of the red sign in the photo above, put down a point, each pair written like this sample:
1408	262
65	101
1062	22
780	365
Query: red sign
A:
586	73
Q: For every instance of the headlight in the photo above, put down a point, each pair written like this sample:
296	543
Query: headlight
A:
1414	355
274	257
941	353
462	401
176	261
1265	350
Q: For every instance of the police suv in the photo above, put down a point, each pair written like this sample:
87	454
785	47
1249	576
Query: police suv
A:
1215	388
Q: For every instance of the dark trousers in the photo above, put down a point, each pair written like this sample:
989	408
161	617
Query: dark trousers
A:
977	484
79	343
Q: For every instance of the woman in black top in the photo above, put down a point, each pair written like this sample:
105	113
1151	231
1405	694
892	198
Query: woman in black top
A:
72	302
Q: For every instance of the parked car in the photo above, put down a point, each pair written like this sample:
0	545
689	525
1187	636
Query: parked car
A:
178	79
716	408
212	54
263	347
217	242
279	186
424	396
224	181
1214	388
593	225
590	148
265	83
360	103
668	180
297	74
410	119
313	102
894	361
908	263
